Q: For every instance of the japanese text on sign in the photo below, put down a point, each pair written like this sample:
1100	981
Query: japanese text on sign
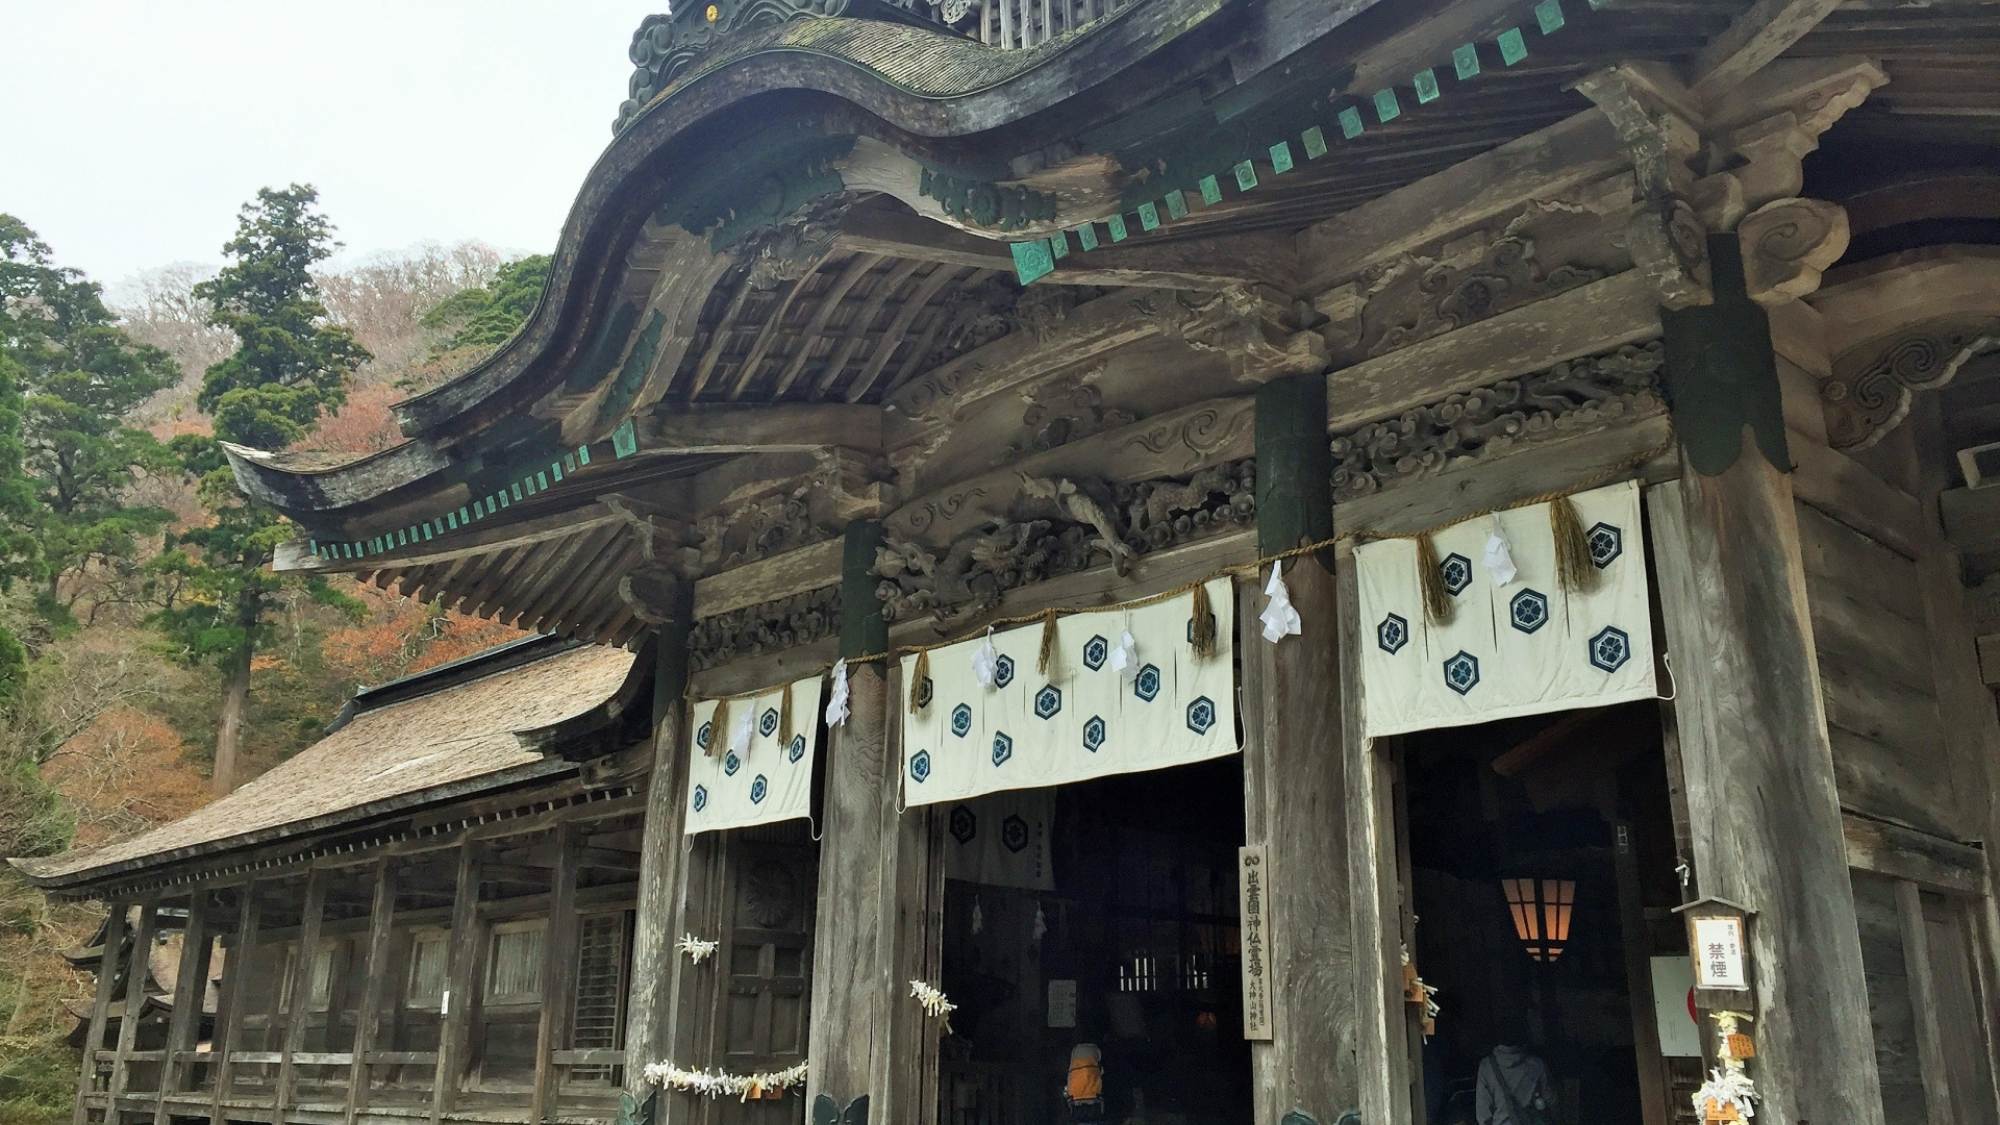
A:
1256	954
1719	956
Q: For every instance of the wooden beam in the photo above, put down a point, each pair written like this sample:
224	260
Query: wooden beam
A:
718	340
376	994
478	540
662	860
857	328
138	968
229	1016
461	986
829	303
190	989
558	964
1765	30
1538	166
773	328
779	428
906	315
1932	1067
1931	862
100	1006
311	914
1598	317
754	583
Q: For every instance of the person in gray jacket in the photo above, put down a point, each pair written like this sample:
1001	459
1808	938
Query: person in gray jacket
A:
1514	1088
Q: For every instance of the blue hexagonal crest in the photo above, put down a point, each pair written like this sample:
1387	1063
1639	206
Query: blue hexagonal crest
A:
1095	650
961	720
1093	734
1392	634
700	797
1146	685
920	766
1014	833
1003	748
1048	701
1201	714
731	763
1461	672
1003	671
767	723
924	691
964	824
1610	648
1606	544
1529	610
758	788
797	749
1456	570
703	733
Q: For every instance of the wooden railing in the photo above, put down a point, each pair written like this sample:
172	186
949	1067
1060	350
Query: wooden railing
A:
1027	23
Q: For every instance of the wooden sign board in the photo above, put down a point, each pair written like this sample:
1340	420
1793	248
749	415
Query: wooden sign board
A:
1252	887
1719	948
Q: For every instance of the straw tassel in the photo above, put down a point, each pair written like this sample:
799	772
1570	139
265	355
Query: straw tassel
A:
1201	629
1430	580
719	726
1048	652
785	718
919	672
1573	566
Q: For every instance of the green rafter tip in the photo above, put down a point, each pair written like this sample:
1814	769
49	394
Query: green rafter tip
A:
1549	16
1059	244
1149	216
1177	207
1314	141
1350	122
1426	82
1387	108
1211	191
1281	157
1032	261
1513	46
1465	61
1117	225
1246	175
1086	236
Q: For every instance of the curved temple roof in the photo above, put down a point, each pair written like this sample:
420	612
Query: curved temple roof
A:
402	745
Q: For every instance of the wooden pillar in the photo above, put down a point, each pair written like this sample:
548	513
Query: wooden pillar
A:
375	988
1293	790
851	986
190	986
311	914
100	1008
558	967
905	1082
230	1012
136	971
1761	798
461	981
662	872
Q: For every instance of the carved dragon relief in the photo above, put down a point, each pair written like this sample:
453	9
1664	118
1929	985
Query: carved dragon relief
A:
842	486
1869	393
1053	526
773	626
1061	411
1569	399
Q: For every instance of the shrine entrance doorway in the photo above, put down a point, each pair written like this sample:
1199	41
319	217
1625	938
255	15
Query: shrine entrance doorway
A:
1541	861
1102	912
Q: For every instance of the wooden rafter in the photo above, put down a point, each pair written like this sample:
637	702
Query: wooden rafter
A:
718	339
479	600
773	328
565	606
548	571
1763	32
829	301
857	329
905	316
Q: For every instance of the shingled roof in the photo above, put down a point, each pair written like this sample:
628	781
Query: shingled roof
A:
396	747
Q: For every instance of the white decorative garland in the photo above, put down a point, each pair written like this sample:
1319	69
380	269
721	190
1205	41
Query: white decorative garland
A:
1727	1088
697	949
933	999
717	1083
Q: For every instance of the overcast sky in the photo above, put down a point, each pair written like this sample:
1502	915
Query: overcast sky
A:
131	131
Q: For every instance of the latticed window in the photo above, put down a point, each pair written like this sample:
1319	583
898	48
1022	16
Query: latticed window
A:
425	986
600	990
514	971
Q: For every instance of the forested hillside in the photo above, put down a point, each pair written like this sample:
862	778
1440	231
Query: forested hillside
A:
129	589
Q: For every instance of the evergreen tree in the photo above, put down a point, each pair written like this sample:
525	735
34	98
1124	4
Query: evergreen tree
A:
288	369
75	377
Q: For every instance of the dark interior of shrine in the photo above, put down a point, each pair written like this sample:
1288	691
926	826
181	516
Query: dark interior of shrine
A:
1542	852
1134	950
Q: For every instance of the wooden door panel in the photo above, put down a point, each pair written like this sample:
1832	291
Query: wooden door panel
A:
766	966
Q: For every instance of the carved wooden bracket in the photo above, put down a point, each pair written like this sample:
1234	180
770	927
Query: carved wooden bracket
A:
653	593
1871	388
1256	329
1660	124
1786	245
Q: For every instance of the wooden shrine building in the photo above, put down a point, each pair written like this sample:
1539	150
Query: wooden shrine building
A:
1355	556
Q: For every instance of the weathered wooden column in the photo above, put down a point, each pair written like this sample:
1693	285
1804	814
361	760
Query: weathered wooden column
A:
1759	769
851	985
1292	778
376	995
297	1012
229	1016
100	1007
136	971
462	959
662	871
190	983
552	1023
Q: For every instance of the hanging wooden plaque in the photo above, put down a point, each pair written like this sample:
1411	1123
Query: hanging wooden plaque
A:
1252	886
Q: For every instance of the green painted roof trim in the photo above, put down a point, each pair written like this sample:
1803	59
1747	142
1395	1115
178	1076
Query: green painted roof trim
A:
1036	259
